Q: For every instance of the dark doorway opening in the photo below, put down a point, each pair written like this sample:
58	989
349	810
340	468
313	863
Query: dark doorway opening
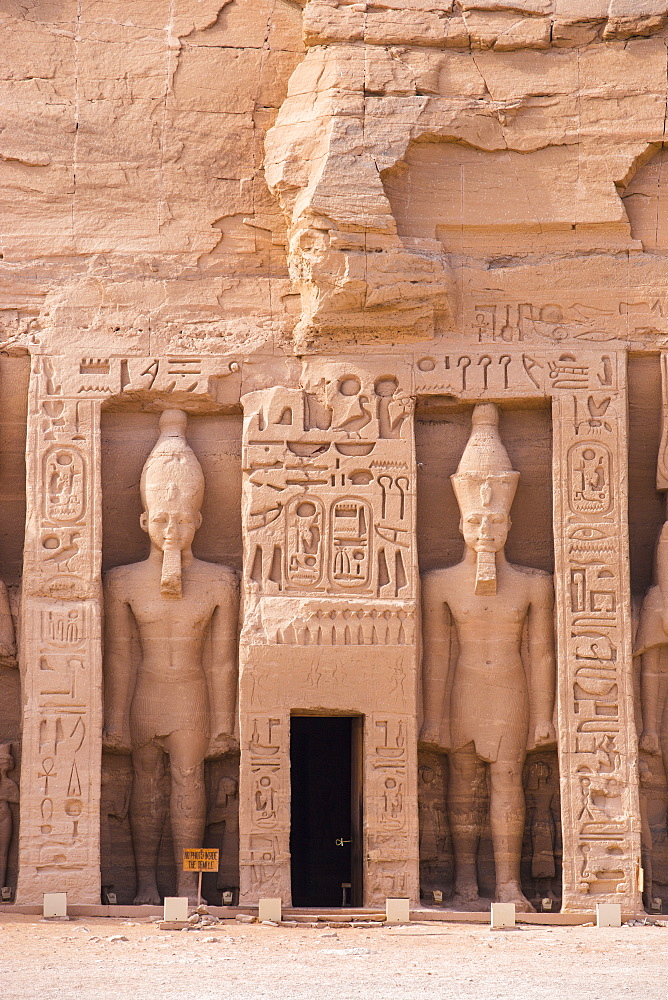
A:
325	837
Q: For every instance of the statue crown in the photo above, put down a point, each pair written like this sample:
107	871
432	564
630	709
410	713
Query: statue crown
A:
485	478
172	469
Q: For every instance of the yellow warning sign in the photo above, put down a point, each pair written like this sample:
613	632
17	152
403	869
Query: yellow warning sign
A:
200	859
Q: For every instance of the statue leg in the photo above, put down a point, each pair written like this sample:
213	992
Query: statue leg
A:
147	820
507	809
5	839
465	805
187	804
646	849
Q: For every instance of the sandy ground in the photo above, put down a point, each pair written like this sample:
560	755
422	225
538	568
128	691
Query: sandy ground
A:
84	959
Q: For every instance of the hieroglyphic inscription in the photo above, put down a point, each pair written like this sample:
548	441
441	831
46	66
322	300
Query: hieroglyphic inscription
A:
513	373
597	316
329	489
390	764
351	626
601	824
63	456
60	745
265	812
133	376
60	647
512	322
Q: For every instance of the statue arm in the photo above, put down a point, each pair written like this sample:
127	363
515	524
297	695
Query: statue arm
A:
662	570
216	815
650	681
652	659
9	792
435	663
118	667
224	673
542	665
7	637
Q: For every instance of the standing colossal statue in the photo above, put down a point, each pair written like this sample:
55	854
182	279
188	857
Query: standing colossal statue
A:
177	698
489	668
652	646
9	789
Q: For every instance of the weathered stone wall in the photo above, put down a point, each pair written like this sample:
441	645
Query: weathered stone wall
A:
345	223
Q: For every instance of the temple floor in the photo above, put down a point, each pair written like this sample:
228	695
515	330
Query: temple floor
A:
96	957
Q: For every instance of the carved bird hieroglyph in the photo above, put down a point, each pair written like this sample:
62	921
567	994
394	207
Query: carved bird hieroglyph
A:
66	550
359	415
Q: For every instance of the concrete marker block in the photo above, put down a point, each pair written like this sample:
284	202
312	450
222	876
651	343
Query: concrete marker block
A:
270	909
397	911
175	908
502	915
55	904
608	915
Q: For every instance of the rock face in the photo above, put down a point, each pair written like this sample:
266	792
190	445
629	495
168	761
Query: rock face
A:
335	237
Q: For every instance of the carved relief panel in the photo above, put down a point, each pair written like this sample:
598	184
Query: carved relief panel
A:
264	808
329	488
390	770
513	373
60	551
329	510
59	839
597	733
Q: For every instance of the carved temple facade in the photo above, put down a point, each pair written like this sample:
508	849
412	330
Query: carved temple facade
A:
359	233
331	600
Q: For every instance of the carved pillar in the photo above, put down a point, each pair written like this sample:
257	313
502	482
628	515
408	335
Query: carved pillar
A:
330	608
598	744
60	646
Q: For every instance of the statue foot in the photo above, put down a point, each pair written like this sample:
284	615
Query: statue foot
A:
465	894
512	893
147	897
186	888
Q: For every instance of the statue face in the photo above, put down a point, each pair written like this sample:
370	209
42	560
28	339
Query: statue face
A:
485	530
170	526
228	786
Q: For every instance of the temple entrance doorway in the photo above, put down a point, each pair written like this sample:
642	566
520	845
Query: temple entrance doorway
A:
326	810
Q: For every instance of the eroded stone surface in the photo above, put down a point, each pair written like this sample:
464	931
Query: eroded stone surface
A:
351	223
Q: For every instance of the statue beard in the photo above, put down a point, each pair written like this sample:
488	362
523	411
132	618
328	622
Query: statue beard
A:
170	580
485	574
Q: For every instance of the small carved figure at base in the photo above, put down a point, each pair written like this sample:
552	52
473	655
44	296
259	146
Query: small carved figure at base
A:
9	796
543	809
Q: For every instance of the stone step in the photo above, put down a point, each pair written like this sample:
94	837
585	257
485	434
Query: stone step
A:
340	916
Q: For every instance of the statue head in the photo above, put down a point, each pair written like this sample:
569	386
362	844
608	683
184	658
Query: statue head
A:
6	758
485	485
172	490
644	772
538	774
227	787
